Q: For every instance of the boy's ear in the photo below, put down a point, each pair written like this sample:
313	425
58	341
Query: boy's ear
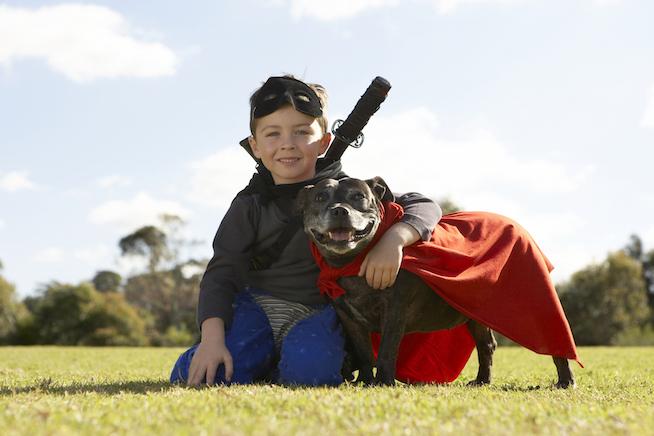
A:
302	198
324	142
379	187
253	147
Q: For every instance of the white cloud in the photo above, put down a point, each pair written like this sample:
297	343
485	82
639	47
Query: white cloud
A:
335	9
464	166
449	6
344	9
607	2
128	215
113	181
94	256
82	42
189	271
129	265
218	177
49	255
2	225
648	238
16	181
648	116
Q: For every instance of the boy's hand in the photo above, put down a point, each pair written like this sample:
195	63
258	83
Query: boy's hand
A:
382	263
205	362
210	354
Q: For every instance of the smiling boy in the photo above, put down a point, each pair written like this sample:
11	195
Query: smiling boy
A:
261	314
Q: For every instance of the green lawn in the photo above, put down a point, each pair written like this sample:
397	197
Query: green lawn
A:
62	390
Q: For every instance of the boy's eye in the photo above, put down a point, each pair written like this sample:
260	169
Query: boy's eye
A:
271	134
321	196
302	132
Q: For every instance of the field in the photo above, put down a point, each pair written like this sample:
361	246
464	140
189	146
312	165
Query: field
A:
62	390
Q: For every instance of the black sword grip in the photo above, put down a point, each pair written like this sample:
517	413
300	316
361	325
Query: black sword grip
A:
365	108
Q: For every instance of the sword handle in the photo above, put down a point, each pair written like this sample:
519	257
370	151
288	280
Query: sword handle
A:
348	132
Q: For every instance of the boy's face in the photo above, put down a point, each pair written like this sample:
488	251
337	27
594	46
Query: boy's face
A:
288	143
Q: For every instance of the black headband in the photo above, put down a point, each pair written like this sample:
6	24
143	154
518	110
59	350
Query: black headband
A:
280	91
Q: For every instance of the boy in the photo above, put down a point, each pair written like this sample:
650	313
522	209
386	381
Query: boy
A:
260	312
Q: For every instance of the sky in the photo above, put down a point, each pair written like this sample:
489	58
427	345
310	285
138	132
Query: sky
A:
114	112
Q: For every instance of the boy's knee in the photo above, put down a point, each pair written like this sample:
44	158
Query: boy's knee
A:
249	340
312	352
179	373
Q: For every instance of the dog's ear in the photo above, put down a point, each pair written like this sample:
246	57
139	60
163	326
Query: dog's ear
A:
301	200
379	187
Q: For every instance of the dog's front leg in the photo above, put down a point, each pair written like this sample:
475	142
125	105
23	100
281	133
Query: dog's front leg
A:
392	331
359	336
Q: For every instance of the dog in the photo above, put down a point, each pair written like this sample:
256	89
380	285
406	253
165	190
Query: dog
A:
341	218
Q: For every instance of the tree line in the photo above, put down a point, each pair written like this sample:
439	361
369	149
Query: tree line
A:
607	303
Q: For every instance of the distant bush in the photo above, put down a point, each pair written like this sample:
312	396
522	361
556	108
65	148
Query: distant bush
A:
636	337
66	314
607	302
178	336
12	312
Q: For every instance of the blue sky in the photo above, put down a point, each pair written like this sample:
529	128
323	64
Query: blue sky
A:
114	112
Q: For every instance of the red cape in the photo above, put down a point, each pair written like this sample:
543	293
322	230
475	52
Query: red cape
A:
487	267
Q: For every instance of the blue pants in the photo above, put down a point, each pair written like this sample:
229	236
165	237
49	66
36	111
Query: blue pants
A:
311	354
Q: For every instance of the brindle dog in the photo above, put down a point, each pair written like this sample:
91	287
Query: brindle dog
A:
341	218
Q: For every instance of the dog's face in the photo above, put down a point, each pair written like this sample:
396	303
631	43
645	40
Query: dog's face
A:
341	217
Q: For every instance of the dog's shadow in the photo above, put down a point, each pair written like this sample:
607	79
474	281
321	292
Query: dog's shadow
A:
48	386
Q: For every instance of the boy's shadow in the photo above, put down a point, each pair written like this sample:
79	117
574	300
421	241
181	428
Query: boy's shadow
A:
48	386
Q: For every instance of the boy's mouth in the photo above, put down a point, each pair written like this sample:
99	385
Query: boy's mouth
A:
288	160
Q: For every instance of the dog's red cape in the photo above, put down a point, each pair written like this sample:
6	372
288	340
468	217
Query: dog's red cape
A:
487	267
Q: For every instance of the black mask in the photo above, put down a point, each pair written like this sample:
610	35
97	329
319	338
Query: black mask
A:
280	91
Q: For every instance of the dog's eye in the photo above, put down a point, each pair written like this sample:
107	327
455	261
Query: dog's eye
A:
321	196
358	196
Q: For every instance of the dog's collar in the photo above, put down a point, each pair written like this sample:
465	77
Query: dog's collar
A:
389	214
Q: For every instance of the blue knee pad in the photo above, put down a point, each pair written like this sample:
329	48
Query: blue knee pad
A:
249	340
313	351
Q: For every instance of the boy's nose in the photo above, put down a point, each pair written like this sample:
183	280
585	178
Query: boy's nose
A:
288	143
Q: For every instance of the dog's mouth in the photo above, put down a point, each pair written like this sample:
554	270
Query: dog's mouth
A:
342	234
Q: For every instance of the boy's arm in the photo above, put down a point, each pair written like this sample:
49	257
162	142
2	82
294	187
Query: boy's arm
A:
222	279
381	265
225	273
420	212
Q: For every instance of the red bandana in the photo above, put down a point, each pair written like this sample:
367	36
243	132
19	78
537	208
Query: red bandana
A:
487	267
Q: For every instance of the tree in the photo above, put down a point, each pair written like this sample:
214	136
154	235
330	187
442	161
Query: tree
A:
170	297
114	322
448	206
107	281
634	249
603	300
165	292
65	314
149	242
12	312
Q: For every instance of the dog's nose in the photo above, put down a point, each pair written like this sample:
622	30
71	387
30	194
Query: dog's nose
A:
339	211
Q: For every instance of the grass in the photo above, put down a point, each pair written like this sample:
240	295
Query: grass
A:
62	390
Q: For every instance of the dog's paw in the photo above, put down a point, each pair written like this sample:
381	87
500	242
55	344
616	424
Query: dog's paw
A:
364	379
385	382
477	382
565	384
